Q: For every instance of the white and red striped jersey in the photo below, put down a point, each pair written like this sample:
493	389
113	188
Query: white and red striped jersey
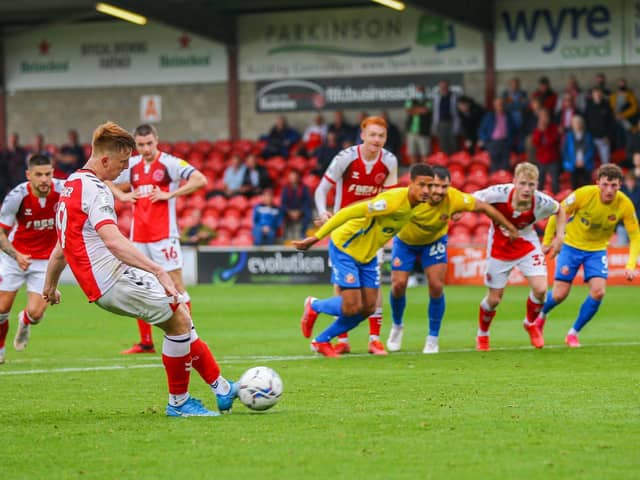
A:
86	205
154	221
500	246
356	179
30	219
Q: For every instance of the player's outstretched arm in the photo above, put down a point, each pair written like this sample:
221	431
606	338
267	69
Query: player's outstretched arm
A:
306	243
127	253
497	217
55	266
320	199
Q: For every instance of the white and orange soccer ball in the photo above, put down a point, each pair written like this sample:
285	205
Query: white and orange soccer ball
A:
260	388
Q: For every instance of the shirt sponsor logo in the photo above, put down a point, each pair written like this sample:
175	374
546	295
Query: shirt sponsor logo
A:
158	175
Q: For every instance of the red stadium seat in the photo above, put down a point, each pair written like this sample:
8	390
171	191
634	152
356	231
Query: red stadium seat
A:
223	146
165	147
203	146
229	223
311	181
243	146
218	202
479	177
298	163
457	179
231	212
182	149
87	150
404	180
439	158
239	202
482	158
210	221
562	194
461	158
313	142
501	176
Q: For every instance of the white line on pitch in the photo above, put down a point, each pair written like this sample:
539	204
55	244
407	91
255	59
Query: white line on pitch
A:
286	358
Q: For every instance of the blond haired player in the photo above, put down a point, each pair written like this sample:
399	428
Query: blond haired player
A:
357	233
154	180
425	238
358	173
593	211
523	206
119	278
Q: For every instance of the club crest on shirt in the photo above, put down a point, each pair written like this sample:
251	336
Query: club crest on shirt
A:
158	175
612	218
444	217
379	178
350	278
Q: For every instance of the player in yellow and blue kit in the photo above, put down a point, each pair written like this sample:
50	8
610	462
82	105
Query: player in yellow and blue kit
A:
593	212
357	232
425	238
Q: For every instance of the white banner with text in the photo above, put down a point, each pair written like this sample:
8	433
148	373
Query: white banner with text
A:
110	54
354	42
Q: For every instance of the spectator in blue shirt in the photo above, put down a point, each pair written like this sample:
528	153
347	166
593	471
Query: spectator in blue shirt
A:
266	220
297	206
233	177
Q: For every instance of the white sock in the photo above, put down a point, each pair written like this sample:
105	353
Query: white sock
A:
482	333
573	331
432	339
221	386
373	338
343	340
178	400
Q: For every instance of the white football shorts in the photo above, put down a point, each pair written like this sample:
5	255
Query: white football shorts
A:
138	294
12	277
167	253
533	264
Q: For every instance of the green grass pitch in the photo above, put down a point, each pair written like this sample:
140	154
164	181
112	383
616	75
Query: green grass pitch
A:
73	408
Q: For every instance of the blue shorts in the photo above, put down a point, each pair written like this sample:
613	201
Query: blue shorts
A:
346	272
404	256
595	264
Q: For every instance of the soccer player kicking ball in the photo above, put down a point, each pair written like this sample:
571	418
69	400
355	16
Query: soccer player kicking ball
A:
358	173
593	211
425	238
115	275
28	213
357	233
153	178
523	206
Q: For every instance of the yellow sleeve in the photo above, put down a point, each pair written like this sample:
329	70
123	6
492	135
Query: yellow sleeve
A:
462	202
356	210
549	231
630	220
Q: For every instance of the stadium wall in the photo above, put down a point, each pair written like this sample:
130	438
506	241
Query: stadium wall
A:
189	112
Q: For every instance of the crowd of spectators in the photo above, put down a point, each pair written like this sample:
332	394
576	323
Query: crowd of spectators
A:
568	131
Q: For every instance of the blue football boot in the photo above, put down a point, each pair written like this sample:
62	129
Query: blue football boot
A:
191	408
225	402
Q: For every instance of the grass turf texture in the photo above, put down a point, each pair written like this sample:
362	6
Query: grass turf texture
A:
510	413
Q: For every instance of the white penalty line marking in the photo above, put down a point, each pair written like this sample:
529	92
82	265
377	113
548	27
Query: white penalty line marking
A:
282	358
